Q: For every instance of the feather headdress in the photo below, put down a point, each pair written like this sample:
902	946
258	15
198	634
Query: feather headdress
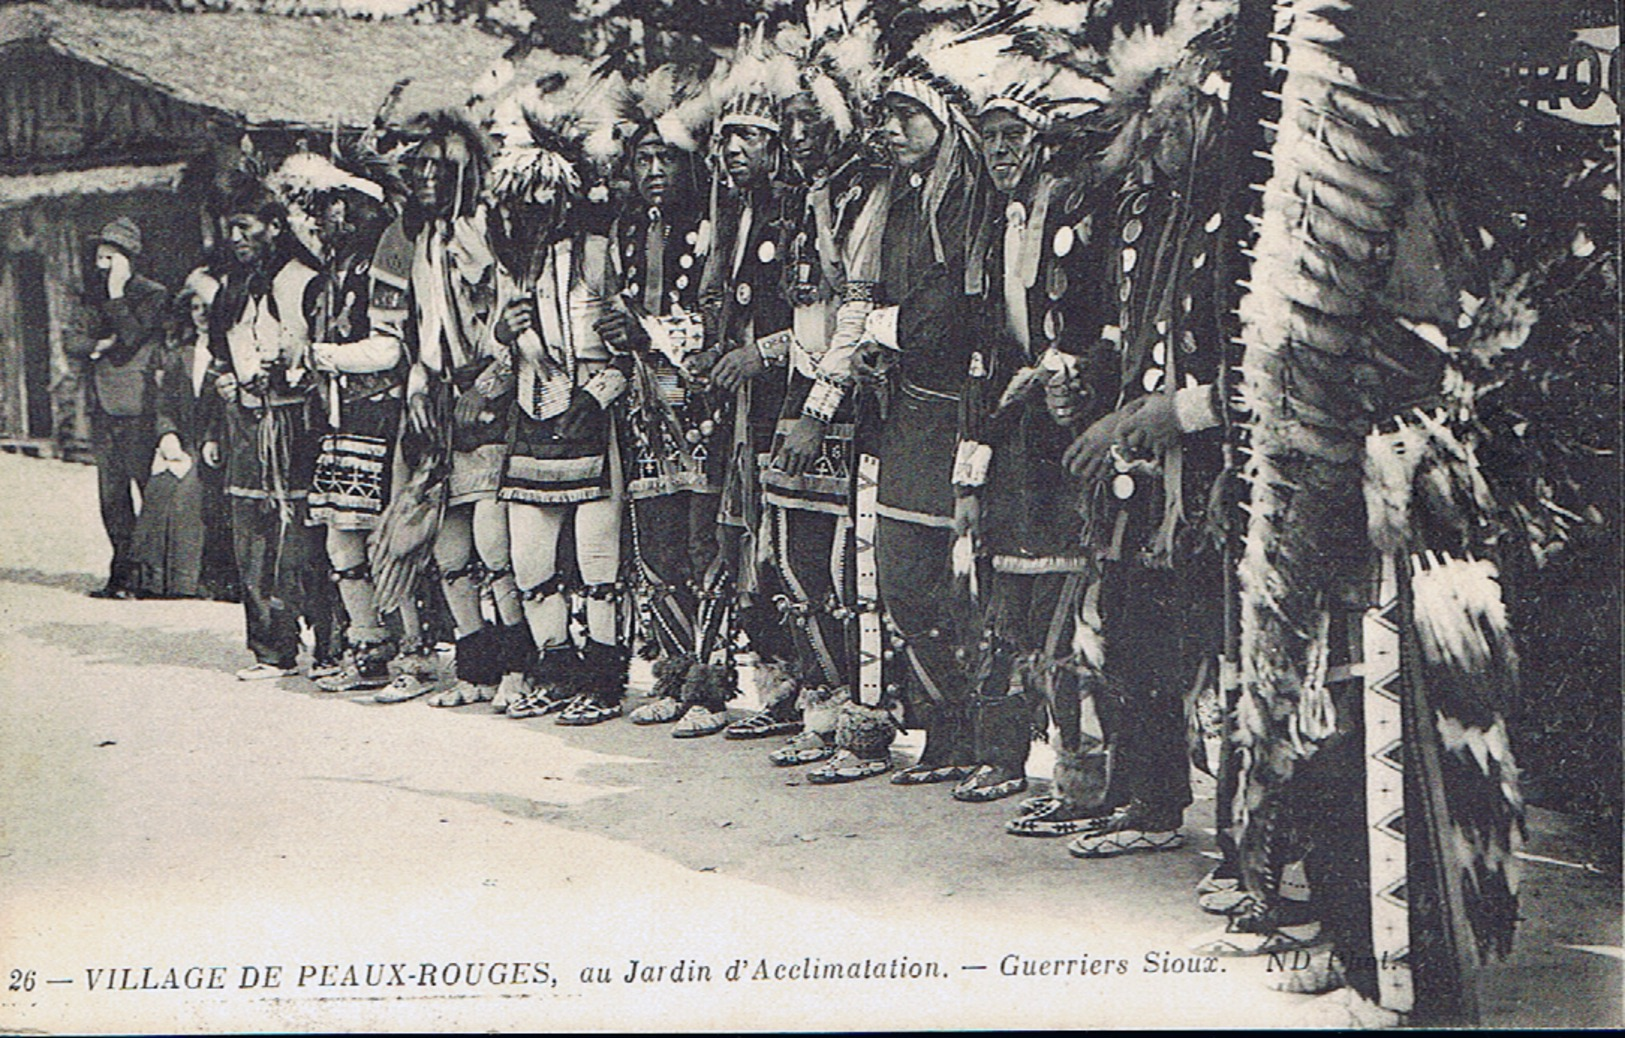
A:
668	103
1022	62
447	124
837	55
916	79
954	170
305	175
1165	87
305	182
752	88
541	137
444	123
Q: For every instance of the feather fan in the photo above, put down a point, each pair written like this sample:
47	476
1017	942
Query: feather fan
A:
400	548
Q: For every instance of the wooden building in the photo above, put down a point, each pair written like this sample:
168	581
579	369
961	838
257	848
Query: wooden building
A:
106	113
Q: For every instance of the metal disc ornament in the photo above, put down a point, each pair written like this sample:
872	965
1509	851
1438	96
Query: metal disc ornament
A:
1065	238
1054	324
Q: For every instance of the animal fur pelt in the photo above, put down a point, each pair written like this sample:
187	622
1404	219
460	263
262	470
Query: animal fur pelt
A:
710	684
866	731
669	674
775	683
821	706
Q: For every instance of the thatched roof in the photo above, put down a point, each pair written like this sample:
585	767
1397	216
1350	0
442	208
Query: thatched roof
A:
267	69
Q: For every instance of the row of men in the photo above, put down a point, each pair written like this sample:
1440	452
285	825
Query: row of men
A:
893	408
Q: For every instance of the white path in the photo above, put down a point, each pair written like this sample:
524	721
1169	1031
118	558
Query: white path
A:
158	814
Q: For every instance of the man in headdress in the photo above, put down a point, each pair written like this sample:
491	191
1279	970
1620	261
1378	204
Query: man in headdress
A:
673	435
920	338
1150	464
259	336
437	263
1400	259
748	334
808	489
563	471
360	380
1014	501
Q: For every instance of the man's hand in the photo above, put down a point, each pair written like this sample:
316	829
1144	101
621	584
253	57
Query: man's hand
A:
577	422
703	363
737	365
871	362
968	517
118	274
1150	426
801	447
226	385
806	293
516	320
1062	398
620	330
418	416
466	412
211	453
169	449
1090	454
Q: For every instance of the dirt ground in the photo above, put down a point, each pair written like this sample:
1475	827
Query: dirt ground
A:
157	815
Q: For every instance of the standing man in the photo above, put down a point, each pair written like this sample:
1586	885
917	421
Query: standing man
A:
917	342
1149	466
808	487
562	482
259	334
672	436
1015	502
125	332
359	379
449	283
747	323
